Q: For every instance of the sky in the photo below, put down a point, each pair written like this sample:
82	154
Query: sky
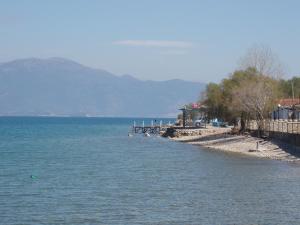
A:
155	39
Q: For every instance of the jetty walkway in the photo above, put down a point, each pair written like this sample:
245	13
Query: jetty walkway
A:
150	129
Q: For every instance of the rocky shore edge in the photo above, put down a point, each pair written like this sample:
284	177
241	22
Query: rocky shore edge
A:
216	138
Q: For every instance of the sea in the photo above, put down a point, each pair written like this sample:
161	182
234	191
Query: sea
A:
89	171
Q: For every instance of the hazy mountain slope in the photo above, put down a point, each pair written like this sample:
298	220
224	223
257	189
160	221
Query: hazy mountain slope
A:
59	86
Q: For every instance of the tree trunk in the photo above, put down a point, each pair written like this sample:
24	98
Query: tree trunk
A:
243	123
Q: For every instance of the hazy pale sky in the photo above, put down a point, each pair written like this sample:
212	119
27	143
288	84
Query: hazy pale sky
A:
155	39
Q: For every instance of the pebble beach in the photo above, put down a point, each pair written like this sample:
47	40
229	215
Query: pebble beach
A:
215	138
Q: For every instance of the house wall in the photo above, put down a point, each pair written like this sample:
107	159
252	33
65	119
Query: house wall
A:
285	114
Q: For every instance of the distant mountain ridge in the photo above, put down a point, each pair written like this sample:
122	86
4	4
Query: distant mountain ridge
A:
61	87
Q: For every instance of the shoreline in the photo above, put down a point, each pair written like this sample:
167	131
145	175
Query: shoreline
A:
220	139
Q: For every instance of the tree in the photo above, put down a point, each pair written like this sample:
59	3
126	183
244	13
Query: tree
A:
214	101
290	88
219	97
246	94
235	82
264	60
257	97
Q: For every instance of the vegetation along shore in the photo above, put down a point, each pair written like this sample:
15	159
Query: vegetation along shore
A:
253	112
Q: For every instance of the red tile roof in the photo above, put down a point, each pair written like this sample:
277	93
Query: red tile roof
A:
289	101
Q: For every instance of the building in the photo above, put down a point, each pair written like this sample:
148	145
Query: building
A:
287	109
193	113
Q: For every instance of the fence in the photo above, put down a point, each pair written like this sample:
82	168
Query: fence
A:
281	126
288	131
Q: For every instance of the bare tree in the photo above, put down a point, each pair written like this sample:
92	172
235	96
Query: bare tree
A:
256	97
264	60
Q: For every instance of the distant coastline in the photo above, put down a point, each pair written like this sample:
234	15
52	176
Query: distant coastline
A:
90	116
35	86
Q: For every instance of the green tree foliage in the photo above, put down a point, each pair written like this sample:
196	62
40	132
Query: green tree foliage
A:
214	100
246	94
256	98
219	98
253	91
287	87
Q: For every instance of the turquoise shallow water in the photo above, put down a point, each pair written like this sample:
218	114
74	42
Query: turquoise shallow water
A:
87	171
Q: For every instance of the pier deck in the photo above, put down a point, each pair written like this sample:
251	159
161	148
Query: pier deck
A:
154	128
147	129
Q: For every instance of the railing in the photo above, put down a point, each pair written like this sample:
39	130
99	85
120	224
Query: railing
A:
281	126
153	124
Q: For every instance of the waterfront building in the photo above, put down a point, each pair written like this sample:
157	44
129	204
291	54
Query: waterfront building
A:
287	109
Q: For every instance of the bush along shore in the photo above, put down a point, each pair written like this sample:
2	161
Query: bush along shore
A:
217	138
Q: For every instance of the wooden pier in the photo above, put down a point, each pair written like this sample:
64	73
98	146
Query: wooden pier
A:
152	129
147	129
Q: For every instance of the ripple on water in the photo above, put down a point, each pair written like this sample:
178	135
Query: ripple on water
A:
87	171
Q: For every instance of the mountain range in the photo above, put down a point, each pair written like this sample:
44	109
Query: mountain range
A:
62	87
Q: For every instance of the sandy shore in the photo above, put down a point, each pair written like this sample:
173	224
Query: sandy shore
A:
220	139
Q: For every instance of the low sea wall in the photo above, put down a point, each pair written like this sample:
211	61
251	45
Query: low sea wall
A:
192	131
290	138
176	132
283	130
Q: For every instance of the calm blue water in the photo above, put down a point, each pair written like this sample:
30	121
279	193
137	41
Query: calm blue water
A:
87	171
